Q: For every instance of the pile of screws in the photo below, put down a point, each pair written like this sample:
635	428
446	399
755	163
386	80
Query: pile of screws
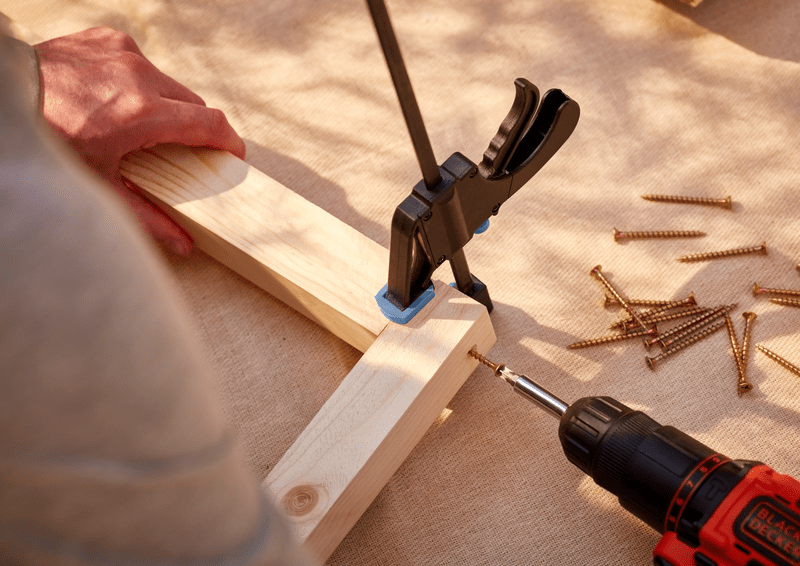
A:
702	322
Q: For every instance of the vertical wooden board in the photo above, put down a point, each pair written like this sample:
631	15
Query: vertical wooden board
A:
270	235
362	434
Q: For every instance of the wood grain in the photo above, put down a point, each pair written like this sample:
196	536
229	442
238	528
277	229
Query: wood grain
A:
362	434
270	235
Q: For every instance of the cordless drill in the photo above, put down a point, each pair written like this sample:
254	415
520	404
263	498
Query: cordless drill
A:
711	510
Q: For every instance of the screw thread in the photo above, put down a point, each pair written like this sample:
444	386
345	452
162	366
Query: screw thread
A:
786	302
724	202
612	338
781	361
496	368
742	384
597	273
611	302
665	317
691	329
652	314
706	331
758	290
658	234
724	253
690	325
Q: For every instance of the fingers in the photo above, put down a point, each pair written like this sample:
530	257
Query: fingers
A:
154	221
191	124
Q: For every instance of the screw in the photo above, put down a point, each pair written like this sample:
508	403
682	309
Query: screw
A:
767	291
786	302
440	261
473	172
613	338
658	234
745	385
724	203
427	216
742	383
496	208
762	249
650	314
599	275
689	324
611	302
666	341
496	368
674	316
785	363
651	362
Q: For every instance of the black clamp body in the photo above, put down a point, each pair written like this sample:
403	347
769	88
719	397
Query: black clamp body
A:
433	224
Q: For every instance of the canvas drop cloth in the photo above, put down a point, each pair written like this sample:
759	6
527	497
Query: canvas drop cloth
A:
696	102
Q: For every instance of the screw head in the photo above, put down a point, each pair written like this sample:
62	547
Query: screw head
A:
756	290
440	261
744	387
496	208
473	172
427	216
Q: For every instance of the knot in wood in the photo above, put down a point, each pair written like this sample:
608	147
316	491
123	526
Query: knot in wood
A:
300	500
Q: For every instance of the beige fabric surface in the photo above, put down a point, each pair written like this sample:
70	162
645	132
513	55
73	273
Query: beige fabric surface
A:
698	102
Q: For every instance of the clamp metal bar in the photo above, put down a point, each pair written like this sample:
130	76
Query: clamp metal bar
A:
408	102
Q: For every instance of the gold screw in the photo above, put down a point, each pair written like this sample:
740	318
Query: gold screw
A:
611	302
651	362
613	338
786	302
745	385
663	234
785	363
674	316
767	291
724	202
689	325
496	368
742	383
649	315
666	341
762	249
599	275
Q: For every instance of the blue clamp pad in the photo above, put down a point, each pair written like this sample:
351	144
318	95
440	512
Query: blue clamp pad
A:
395	314
483	227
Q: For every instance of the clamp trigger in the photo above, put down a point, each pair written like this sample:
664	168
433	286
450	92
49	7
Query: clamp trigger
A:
516	123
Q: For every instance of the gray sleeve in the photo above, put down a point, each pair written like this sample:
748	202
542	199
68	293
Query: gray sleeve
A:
28	75
114	448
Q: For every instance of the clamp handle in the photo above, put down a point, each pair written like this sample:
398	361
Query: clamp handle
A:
514	125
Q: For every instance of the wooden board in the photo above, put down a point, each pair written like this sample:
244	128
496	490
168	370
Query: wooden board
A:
330	272
362	434
270	235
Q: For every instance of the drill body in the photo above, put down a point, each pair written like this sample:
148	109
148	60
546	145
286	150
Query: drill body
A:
711	510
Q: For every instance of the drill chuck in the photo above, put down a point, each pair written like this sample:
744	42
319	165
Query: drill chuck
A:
660	474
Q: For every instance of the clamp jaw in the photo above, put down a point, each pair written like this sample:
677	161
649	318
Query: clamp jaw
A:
434	223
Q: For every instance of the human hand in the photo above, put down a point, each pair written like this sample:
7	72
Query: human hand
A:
106	99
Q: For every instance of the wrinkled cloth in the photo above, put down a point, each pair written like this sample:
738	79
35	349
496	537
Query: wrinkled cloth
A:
698	101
